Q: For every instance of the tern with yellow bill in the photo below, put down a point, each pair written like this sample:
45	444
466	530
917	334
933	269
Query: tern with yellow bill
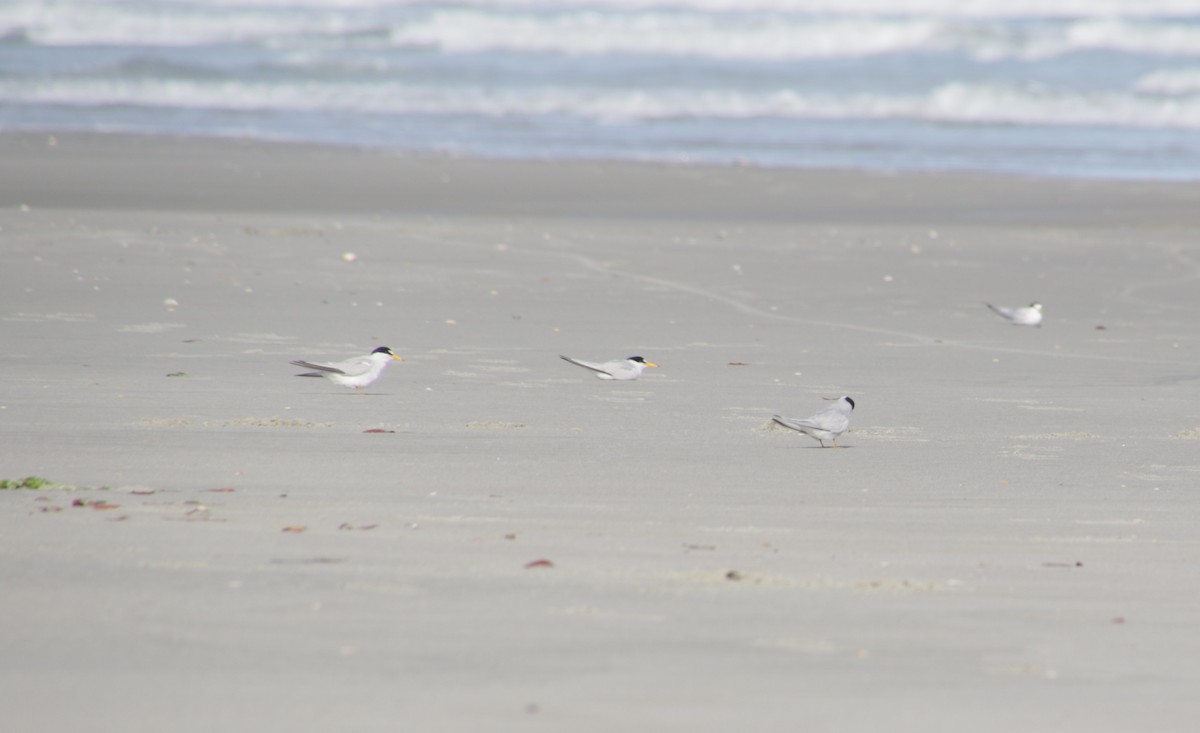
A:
620	369
356	372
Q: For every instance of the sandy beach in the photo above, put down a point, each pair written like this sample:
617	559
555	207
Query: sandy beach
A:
491	539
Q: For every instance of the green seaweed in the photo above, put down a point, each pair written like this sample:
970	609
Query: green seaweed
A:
29	482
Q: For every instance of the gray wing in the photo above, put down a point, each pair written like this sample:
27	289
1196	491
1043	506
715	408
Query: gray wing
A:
793	423
355	367
1008	313
328	368
828	419
601	368
831	419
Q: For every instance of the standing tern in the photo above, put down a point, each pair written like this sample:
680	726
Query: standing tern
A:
827	424
356	372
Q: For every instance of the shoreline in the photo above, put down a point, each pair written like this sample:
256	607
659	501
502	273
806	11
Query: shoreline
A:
1145	176
550	188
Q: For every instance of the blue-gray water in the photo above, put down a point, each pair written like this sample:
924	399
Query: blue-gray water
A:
1089	88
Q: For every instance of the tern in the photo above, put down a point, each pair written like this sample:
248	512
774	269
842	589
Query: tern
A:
1030	315
826	424
356	372
622	369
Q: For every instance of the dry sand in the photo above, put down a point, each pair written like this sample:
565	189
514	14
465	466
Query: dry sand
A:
1007	543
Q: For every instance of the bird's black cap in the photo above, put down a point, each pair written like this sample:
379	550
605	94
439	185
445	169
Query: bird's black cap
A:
851	403
382	350
637	359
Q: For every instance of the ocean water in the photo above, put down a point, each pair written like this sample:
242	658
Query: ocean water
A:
1081	88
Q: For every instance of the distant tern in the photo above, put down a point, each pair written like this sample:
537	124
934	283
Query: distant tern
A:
356	372
622	369
827	424
1030	315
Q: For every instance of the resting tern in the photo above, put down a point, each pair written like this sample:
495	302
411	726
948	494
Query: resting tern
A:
828	423
356	372
1030	315
622	369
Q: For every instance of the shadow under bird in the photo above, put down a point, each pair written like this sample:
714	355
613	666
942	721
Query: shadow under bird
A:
622	369
1030	315
356	372
826	424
